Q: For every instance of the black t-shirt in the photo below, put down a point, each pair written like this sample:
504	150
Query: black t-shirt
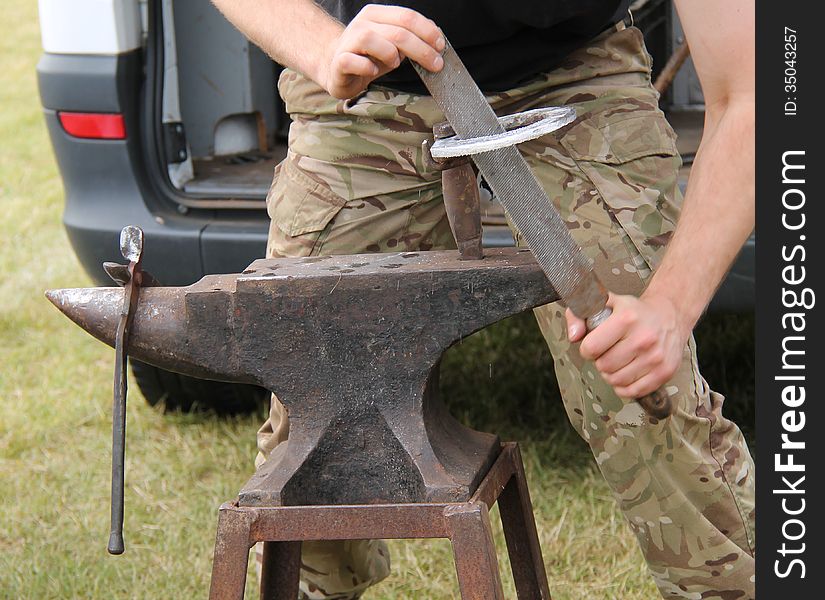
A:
502	42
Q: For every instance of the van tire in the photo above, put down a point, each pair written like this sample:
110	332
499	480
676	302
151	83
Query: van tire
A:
172	392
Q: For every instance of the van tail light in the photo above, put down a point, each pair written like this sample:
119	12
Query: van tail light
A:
93	126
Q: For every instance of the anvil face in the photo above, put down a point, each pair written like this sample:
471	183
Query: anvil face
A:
351	345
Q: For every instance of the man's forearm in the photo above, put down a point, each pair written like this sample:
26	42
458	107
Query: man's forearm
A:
718	213
295	33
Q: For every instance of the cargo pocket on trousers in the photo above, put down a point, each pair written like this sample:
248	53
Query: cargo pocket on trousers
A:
632	161
300	208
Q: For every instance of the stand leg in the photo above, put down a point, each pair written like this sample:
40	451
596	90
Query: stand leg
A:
516	512
280	570
231	556
474	552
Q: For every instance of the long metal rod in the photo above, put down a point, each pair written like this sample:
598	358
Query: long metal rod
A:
131	246
116	545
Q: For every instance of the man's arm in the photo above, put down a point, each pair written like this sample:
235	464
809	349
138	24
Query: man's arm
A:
639	347
300	35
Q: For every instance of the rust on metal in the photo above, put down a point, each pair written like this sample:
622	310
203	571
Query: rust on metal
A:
516	512
351	346
462	202
474	552
589	297
466	524
280	570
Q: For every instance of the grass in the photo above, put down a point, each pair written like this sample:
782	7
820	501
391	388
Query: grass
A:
55	425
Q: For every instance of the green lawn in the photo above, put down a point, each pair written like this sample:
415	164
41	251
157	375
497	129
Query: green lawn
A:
55	397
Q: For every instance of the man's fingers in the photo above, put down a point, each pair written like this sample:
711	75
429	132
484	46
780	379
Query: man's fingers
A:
598	341
627	374
408	19
576	327
369	41
637	349
375	42
643	386
645	375
349	63
412	46
617	358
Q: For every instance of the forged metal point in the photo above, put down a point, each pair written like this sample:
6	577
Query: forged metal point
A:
94	309
73	302
55	297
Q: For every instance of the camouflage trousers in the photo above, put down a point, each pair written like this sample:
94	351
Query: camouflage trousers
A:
355	181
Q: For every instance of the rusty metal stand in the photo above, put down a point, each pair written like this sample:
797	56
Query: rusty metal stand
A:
466	524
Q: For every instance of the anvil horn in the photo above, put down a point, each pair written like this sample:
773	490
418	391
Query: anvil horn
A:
160	330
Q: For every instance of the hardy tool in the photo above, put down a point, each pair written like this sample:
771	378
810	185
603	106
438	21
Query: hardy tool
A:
485	137
131	278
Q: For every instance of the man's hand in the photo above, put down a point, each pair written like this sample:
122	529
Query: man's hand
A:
374	43
343	60
638	348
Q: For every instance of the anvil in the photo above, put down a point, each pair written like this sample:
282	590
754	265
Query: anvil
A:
351	346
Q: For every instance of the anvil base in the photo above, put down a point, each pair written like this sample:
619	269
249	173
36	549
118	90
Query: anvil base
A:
357	458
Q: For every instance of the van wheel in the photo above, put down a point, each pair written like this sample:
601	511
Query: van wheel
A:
173	392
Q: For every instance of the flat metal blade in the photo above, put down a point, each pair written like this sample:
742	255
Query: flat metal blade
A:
516	187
